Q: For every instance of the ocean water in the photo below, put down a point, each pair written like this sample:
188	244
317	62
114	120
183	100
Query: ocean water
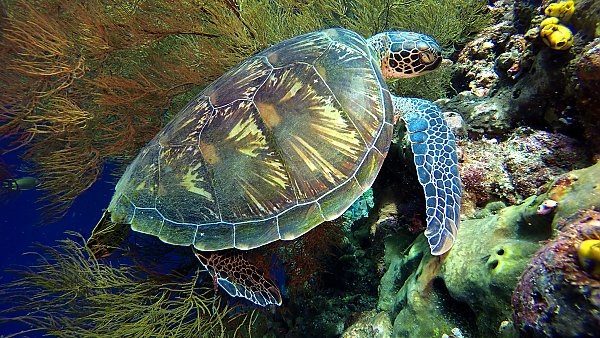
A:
523	107
25	227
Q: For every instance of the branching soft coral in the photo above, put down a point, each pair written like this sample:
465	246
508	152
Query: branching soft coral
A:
70	294
304	257
102	77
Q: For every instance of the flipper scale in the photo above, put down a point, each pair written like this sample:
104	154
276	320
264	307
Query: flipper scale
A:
434	149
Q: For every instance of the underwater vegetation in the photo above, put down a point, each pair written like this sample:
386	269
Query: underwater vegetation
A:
95	87
68	293
107	80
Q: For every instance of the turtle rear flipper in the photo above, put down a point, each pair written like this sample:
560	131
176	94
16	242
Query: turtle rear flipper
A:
106	237
240	278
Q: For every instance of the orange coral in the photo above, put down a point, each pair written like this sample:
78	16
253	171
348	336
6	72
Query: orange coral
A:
100	78
68	100
304	257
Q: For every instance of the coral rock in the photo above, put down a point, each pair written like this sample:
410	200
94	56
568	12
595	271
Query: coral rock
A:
555	297
588	86
370	325
492	170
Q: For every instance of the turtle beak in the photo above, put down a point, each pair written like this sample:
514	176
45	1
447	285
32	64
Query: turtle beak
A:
433	65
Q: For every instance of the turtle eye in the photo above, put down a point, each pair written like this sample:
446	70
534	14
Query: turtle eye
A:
427	57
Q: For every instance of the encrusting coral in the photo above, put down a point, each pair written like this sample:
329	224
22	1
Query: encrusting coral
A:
556	296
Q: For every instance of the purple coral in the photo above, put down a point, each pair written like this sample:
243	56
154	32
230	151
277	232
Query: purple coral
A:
555	297
492	170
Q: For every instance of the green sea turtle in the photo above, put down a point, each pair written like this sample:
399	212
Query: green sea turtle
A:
285	140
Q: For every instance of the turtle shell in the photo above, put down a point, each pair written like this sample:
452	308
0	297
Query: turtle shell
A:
287	139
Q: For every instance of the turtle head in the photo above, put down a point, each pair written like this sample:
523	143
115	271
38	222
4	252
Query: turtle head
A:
405	54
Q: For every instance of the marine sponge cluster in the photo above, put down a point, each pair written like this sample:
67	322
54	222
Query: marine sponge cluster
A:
554	33
556	296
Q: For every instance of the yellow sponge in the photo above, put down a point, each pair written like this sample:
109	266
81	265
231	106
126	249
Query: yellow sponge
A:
589	256
557	36
563	10
551	20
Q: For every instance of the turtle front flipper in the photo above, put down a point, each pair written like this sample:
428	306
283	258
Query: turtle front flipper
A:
434	150
240	278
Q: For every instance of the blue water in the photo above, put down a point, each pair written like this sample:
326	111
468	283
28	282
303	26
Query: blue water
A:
22	225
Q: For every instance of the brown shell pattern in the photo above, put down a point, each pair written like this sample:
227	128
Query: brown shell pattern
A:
285	140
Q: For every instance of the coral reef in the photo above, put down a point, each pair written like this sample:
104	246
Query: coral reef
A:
361	207
471	288
507	79
512	78
494	170
555	296
83	92
574	191
588	85
87	84
370	325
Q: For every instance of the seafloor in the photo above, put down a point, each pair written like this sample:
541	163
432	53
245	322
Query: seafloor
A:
84	85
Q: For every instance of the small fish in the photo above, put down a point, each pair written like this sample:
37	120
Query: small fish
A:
19	184
547	207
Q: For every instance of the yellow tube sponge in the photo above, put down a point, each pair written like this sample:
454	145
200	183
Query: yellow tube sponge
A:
563	10
557	36
589	256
